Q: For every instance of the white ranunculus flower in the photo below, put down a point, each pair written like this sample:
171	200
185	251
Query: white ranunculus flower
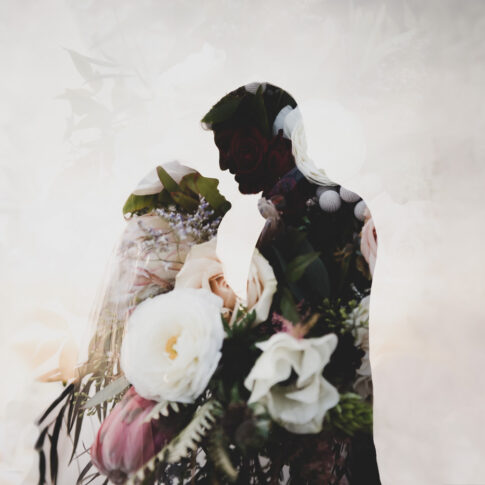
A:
301	405
151	184
172	344
203	269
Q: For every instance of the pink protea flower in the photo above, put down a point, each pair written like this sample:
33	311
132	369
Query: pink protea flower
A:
125	442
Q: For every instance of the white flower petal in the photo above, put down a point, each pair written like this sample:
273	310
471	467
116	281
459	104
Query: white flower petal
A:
192	317
279	122
300	406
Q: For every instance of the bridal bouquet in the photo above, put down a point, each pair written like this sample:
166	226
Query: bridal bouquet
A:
191	384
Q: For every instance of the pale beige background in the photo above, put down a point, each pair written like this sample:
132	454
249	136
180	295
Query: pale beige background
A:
76	135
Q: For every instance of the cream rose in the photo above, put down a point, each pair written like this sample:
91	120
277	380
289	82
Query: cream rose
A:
172	344
300	406
360	318
368	242
203	269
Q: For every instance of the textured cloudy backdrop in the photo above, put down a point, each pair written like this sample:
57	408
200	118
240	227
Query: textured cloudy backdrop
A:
95	93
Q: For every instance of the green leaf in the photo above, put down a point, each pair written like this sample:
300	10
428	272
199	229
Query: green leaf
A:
167	181
243	324
298	265
136	203
316	280
108	392
207	188
223	110
218	452
260	113
188	186
186	202
279	259
288	306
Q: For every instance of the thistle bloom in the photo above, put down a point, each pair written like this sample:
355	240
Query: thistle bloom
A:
125	441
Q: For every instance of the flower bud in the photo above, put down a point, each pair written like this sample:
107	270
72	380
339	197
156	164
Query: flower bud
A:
125	442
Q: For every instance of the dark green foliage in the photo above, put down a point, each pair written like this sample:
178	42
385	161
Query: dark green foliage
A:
241	107
224	109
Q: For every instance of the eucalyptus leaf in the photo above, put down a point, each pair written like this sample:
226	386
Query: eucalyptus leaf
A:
316	280
186	202
288	306
223	110
296	268
136	203
109	392
259	110
207	188
167	181
82	65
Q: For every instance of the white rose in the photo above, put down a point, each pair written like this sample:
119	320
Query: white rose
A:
151	184
360	318
368	241
290	120
203	269
300	406
172	345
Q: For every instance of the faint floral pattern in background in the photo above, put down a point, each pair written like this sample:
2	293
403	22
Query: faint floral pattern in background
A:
95	93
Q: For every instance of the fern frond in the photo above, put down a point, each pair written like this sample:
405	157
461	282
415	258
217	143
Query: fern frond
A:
162	409
218	452
186	441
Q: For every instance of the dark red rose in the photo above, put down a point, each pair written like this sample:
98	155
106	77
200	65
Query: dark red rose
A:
257	162
247	156
279	160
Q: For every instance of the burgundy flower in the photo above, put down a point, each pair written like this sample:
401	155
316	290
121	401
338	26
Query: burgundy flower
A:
257	162
279	159
125	442
242	151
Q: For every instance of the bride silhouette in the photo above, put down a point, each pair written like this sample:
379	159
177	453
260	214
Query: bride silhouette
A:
308	278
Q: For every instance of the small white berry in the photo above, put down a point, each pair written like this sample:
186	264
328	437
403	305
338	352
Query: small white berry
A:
330	201
323	188
359	210
253	87
348	195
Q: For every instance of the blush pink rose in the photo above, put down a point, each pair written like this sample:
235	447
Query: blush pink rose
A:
203	269
368	242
